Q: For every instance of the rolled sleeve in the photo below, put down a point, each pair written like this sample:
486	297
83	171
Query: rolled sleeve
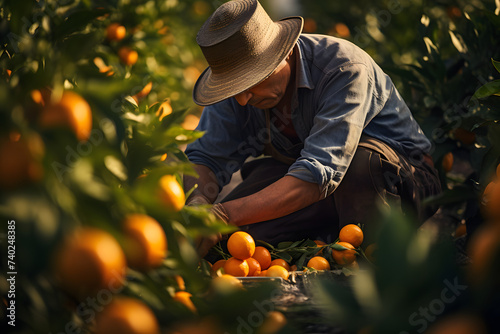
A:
220	147
344	106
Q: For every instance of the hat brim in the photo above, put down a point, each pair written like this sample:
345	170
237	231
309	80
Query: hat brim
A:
210	89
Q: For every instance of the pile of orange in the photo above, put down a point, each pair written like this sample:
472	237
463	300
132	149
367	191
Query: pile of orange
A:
241	246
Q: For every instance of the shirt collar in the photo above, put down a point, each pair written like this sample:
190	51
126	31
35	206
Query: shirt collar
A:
303	72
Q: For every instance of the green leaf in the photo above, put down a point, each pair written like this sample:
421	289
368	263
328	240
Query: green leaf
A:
496	64
285	256
491	88
265	244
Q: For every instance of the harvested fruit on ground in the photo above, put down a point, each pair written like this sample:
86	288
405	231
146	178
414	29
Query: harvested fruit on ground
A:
277	271
262	255
216	266
241	245
318	263
346	256
126	315
254	267
145	241
351	234
226	283
280	262
236	267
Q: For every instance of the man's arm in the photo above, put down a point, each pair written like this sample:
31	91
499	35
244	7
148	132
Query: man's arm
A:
207	184
287	195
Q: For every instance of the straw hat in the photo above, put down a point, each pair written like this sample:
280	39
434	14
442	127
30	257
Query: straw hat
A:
242	46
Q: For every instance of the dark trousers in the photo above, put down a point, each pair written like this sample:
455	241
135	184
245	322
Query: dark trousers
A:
376	177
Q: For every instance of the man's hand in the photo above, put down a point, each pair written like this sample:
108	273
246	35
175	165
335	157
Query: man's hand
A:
204	244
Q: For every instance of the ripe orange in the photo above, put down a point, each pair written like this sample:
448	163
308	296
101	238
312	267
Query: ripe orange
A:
236	267
216	266
254	267
277	271
70	111
280	262
180	282
20	161
447	162
128	56
460	231
126	315
226	283
184	297
145	242
318	263
171	193
262	255
89	260
144	92
310	25
190	122
342	30
464	136
115	32
241	245
164	110
492	200
263	273
273	323
319	244
351	234
345	256
482	249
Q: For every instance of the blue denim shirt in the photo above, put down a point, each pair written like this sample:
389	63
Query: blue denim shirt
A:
341	93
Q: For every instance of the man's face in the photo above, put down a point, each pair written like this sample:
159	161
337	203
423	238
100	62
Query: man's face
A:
269	92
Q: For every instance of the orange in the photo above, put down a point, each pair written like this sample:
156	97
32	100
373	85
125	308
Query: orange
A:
180	282
217	265
459	323
184	297
126	315
464	136
263	273
460	231
262	255
345	256
447	162
273	323
254	267
190	122
128	56
89	260
319	263
342	30
277	271
351	234
171	193
20	160
144	92
236	267
319	244
164	110
145	241
310	25
115	32
226	283
280	262
241	245
70	111
482	249
492	201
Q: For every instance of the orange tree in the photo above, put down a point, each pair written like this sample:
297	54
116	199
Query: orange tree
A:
93	98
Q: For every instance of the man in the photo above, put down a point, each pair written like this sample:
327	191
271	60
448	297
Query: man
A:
336	136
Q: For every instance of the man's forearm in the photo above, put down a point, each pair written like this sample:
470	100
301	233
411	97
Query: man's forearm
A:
206	181
287	195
